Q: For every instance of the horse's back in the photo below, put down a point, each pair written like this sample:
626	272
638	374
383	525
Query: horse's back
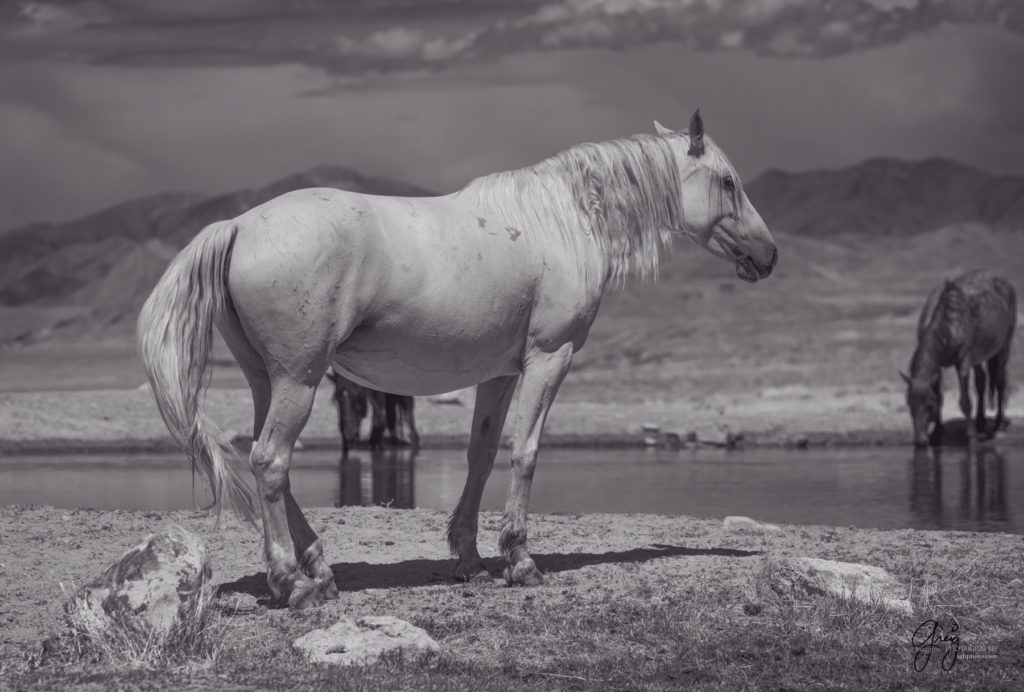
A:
993	310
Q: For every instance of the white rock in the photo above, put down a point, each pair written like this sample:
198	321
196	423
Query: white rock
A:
362	641
808	576
159	583
738	523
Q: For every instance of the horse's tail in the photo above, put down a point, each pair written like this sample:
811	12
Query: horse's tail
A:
175	336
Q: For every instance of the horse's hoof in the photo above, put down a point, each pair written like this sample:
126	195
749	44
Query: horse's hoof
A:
473	571
523	573
329	589
323	578
306	595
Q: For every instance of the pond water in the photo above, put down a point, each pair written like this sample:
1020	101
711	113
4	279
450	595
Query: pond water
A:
981	490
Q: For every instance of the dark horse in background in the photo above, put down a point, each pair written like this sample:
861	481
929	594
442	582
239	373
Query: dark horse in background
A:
390	411
966	323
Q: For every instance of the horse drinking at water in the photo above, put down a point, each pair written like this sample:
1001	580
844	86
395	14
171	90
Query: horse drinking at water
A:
496	284
966	323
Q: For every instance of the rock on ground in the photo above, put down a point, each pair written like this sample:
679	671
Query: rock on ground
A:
363	640
738	524
153	587
808	576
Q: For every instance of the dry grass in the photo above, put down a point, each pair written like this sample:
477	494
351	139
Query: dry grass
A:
196	640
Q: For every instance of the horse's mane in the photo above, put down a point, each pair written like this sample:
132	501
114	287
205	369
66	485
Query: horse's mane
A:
623	193
945	327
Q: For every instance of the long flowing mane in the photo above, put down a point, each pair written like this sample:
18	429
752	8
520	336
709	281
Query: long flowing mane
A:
624	194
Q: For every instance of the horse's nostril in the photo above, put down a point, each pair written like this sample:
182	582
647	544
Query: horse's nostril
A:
775	257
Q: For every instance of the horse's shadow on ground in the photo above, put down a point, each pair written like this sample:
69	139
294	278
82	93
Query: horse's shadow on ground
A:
357	576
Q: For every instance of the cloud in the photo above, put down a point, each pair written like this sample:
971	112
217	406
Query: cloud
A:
368	37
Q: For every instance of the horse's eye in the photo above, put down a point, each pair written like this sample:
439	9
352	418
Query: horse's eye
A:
728	183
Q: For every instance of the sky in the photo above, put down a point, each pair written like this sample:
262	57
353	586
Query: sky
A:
102	101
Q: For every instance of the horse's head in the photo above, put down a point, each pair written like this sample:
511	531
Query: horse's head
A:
924	399
715	211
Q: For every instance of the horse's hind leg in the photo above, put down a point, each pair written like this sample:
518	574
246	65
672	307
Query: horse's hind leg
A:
542	376
379	418
979	389
286	546
997	366
309	550
307	547
492	400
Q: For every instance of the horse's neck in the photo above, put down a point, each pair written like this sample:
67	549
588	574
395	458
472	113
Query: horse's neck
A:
936	348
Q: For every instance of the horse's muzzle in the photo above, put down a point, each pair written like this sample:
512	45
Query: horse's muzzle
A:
750	269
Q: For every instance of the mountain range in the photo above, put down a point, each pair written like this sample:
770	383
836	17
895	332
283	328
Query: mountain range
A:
104	264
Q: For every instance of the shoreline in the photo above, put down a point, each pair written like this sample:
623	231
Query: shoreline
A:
798	417
865	438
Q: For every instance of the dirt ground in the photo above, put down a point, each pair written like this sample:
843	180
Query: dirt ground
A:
402	554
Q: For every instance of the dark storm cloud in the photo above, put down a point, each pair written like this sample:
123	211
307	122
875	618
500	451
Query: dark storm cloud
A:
104	100
370	36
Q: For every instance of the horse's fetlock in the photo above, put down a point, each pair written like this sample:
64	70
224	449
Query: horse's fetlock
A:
511	538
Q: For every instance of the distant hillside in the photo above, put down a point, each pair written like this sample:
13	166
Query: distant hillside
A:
886	196
49	263
93	274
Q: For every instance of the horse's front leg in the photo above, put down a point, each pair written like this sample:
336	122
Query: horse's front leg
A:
963	372
492	400
542	375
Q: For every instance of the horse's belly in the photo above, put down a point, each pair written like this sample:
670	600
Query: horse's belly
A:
421	363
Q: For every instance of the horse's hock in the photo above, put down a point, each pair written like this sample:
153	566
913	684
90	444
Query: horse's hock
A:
154	587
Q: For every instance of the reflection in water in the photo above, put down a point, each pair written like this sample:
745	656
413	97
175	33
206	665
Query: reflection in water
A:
926	487
981	491
377	477
833	486
983	486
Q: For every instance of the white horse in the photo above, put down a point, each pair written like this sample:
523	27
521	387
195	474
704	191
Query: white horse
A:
496	284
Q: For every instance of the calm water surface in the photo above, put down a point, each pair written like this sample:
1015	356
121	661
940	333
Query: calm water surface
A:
875	487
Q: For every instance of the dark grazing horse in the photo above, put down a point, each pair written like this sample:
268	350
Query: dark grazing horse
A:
966	323
390	411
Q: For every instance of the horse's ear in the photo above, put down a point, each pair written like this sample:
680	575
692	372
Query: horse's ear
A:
906	377
661	129
696	135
